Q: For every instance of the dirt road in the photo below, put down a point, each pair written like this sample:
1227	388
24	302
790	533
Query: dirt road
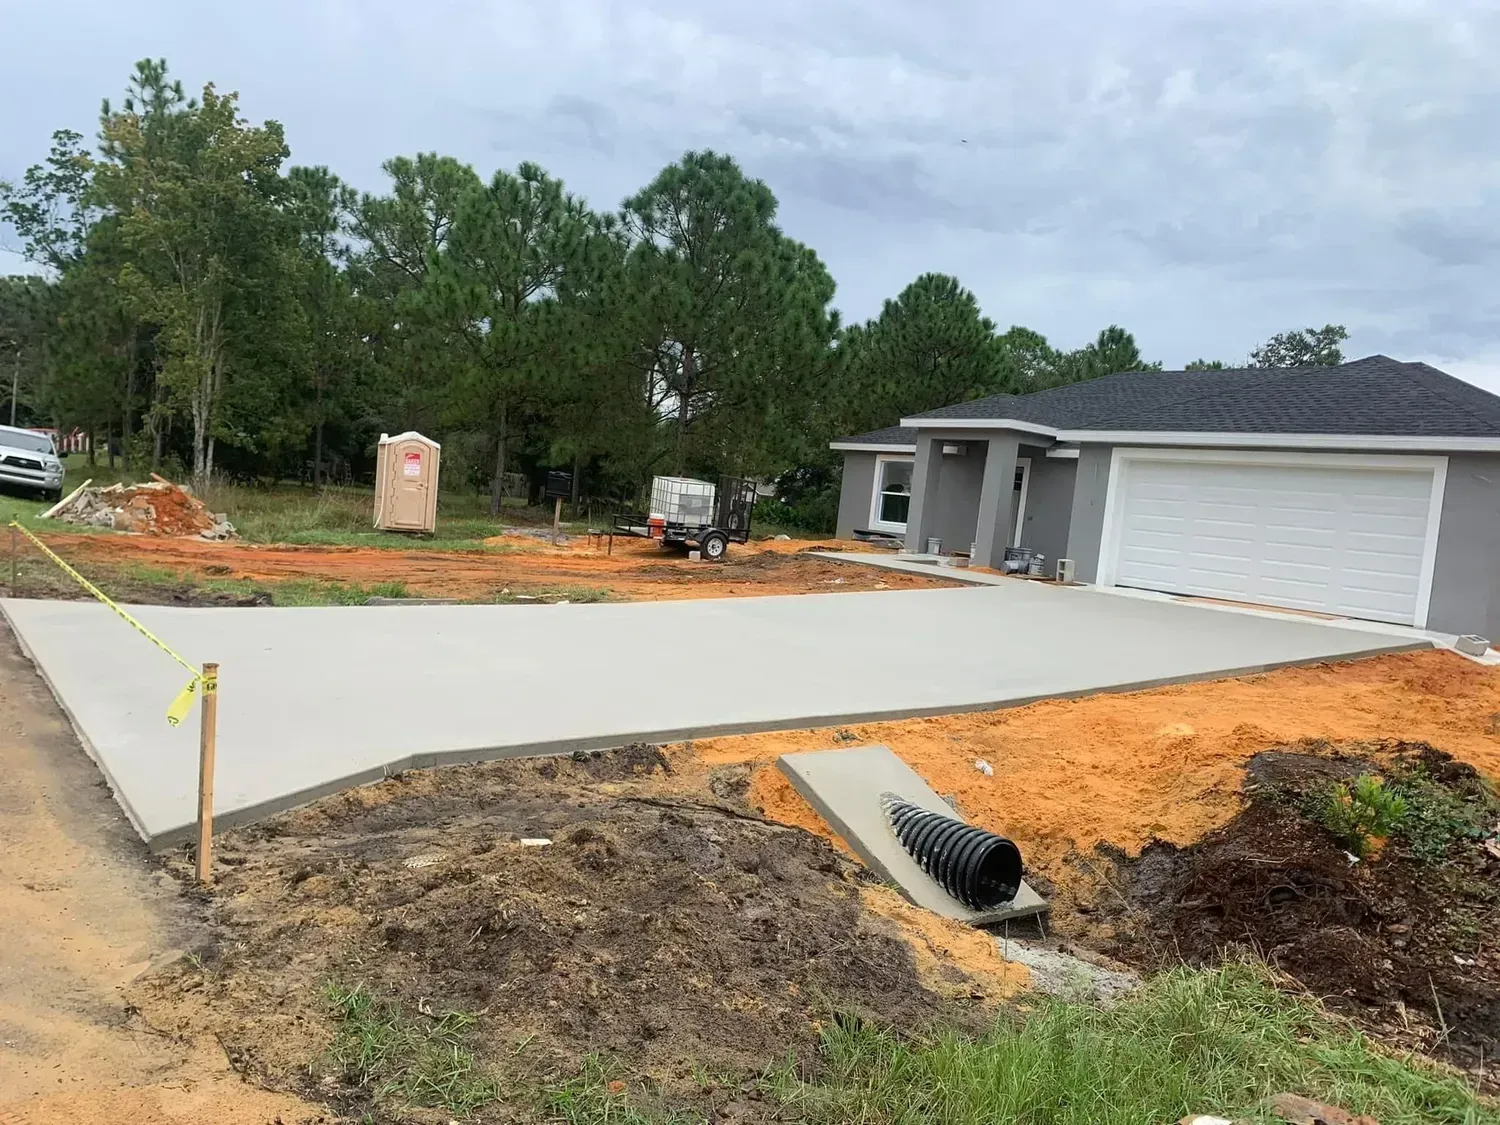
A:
82	913
520	564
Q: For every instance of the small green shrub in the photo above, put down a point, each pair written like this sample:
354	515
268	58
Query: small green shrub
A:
1361	812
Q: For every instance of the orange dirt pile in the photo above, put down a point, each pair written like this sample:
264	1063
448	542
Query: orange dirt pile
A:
1165	764
636	570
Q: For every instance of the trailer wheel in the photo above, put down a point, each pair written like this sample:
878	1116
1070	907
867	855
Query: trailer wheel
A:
713	545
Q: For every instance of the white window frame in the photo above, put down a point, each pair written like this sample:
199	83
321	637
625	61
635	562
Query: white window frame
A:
876	523
1122	457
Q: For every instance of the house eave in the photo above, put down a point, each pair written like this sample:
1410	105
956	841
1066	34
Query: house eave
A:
1391	442
869	447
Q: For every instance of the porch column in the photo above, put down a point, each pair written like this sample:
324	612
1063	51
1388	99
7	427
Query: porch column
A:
926	474
996	501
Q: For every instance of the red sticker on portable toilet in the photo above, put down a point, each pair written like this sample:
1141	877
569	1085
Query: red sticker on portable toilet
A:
413	465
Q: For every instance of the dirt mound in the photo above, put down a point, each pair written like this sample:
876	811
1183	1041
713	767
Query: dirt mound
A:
1402	940
670	934
157	508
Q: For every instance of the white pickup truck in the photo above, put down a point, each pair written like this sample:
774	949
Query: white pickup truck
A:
30	460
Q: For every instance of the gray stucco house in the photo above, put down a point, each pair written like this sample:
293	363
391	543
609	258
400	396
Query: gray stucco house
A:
1367	490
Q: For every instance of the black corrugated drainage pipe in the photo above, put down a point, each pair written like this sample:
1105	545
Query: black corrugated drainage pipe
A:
978	868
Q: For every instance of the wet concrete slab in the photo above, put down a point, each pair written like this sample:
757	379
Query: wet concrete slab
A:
319	699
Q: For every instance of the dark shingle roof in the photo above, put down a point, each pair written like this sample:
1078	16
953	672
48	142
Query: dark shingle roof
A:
1375	395
891	435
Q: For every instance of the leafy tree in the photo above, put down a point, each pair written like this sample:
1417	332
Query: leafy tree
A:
1302	347
48	209
930	346
1112	352
395	239
25	304
336	353
1207	365
495	286
195	190
732	312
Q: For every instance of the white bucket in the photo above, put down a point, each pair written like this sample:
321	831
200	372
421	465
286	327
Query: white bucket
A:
934	546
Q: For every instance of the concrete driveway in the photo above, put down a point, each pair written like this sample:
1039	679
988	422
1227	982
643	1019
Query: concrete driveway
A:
315	700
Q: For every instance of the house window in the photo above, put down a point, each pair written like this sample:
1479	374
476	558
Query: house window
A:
892	493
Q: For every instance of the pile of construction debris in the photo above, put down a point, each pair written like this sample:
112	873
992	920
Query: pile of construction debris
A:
158	507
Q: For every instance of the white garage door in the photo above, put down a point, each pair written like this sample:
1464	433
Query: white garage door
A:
1321	536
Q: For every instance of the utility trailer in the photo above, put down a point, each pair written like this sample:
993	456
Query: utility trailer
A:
692	513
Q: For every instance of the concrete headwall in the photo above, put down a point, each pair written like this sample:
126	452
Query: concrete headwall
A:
855	491
1086	522
1466	575
1049	504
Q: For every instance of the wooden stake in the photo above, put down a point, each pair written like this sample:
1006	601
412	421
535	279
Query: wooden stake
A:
207	741
556	519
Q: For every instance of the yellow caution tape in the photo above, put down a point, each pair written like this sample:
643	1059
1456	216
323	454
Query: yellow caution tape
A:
184	701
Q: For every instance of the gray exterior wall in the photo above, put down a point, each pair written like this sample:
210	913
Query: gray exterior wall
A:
957	514
1086	521
855	491
1466	574
1049	504
958	498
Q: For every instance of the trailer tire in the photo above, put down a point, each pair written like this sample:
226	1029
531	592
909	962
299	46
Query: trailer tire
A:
714	545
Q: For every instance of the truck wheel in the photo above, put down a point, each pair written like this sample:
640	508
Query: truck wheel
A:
713	546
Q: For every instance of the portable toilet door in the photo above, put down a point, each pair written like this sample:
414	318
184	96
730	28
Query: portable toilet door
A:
406	485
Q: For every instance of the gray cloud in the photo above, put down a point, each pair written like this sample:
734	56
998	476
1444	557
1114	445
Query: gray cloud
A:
1202	173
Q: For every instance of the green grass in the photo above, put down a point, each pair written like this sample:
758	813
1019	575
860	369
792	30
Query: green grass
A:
402	1060
295	514
1189	1042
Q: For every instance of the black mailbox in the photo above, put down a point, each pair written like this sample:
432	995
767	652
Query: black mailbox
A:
559	483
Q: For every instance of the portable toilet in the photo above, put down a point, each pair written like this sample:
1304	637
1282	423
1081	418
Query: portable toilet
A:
406	482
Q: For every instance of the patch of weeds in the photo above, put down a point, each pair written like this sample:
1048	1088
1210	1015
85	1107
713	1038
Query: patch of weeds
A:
1441	817
412	1061
1188	1042
1360	812
597	1097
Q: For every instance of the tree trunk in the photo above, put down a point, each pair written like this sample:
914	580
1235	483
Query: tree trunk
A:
92	444
577	482
318	443
109	443
15	386
682	409
497	482
125	434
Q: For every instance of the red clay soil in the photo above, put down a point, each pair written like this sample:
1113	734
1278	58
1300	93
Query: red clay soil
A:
636	570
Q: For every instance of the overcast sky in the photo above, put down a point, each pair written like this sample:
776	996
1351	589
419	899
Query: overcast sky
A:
1204	173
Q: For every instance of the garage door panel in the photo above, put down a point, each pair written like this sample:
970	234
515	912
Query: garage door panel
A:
1342	539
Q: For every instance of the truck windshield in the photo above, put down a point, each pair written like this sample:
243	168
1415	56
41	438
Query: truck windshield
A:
25	439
